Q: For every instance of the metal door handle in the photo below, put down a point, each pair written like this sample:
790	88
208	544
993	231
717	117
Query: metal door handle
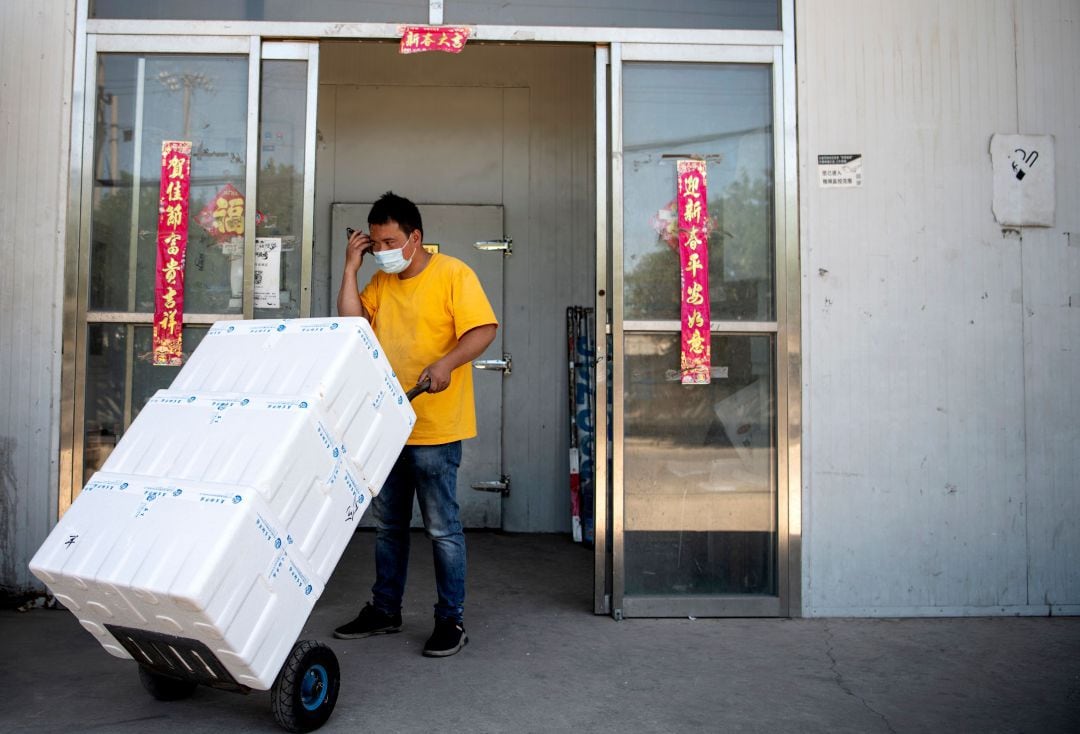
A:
505	364
500	485
505	245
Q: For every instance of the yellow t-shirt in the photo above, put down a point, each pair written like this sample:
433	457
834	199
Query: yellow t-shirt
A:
418	321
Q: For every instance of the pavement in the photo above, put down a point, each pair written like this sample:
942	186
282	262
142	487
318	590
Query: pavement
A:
538	660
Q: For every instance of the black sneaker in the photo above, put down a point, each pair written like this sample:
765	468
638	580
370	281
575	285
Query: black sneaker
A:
449	637
370	621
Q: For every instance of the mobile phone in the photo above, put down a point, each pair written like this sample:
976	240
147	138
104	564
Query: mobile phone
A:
349	232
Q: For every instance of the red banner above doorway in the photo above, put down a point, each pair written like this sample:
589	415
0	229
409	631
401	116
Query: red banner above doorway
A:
419	38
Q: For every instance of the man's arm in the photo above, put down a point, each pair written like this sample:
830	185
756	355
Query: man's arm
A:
348	300
470	346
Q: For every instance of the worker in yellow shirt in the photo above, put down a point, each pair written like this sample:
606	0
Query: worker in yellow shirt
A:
432	318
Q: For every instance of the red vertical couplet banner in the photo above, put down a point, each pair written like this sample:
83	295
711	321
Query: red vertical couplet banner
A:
693	215
171	247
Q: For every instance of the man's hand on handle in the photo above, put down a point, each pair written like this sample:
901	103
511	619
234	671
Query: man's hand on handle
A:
439	375
471	345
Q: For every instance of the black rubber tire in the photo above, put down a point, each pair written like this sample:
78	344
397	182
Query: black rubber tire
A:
306	688
164	687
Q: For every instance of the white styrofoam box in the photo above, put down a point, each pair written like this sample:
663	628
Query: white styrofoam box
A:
282	448
336	362
196	560
224	508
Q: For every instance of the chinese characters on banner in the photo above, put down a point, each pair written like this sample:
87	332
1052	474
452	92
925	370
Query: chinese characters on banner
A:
418	38
693	214
171	248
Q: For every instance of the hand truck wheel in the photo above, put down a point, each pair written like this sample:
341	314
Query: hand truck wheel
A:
306	688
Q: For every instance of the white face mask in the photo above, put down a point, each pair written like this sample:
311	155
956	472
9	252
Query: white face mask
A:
393	261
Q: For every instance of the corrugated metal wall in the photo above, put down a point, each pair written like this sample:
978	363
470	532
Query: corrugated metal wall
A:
1048	101
546	184
36	42
941	352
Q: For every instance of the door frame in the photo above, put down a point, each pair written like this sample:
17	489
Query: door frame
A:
609	592
489	505
77	315
781	43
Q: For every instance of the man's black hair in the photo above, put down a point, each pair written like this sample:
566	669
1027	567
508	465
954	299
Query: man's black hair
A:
393	208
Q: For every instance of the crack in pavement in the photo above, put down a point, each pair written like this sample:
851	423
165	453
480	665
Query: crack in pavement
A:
843	684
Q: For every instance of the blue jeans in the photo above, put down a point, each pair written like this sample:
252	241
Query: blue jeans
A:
432	472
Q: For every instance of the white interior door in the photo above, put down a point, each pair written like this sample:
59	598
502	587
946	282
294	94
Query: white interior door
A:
455	230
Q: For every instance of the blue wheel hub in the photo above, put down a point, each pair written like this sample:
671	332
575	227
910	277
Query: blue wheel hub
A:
314	687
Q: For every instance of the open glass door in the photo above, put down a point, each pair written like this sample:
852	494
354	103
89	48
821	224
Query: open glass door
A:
699	516
247	110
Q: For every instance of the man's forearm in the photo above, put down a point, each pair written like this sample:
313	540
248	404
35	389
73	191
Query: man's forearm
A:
471	345
348	300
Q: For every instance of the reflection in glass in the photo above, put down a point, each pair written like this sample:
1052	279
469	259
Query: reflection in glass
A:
699	484
142	101
114	350
723	113
282	125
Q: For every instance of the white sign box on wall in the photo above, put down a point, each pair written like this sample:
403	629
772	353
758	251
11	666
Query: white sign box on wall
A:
1024	187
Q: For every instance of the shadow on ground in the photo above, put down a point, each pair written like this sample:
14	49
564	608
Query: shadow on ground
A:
539	661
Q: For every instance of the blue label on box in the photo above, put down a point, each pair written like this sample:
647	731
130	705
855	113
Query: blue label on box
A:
299	578
276	565
265	528
366	339
325	437
214	499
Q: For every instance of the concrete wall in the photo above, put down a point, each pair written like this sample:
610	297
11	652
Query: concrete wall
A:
941	350
36	49
546	184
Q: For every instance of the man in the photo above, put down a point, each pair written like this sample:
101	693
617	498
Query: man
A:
432	318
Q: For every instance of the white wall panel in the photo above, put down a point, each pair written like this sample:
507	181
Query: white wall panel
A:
1048	102
919	423
36	42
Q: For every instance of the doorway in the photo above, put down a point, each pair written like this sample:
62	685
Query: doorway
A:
502	127
472	233
691	519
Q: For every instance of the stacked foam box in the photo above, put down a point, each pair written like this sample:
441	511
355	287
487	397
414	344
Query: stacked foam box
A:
225	507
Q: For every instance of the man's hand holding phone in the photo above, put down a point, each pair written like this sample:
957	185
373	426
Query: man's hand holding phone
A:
359	244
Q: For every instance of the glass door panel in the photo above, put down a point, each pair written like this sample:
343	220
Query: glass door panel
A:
698	527
135	101
280	186
248	109
722	113
119	381
143	100
699	489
